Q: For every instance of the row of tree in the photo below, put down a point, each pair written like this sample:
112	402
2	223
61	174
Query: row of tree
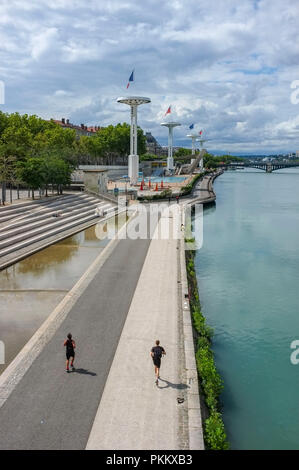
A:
109	145
38	153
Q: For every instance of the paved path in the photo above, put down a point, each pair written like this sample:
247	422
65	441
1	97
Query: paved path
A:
50	409
134	413
111	400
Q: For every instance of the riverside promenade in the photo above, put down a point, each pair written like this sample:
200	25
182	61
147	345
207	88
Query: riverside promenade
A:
134	293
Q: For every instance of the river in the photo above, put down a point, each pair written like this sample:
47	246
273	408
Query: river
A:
248	276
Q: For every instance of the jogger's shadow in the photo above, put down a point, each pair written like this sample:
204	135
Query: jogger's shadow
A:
172	385
83	371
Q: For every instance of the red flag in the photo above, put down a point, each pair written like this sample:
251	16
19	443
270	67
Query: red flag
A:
200	132
168	111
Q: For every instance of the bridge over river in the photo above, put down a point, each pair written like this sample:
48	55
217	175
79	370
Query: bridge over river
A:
266	166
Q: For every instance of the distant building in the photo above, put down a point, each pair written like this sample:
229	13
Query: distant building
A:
80	130
297	153
152	146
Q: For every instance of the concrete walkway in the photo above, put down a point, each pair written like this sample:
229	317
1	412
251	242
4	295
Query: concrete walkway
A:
134	413
111	400
50	409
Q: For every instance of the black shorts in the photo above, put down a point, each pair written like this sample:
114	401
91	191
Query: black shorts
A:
157	361
70	354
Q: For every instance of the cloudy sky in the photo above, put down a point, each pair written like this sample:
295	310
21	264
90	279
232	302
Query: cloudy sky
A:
225	65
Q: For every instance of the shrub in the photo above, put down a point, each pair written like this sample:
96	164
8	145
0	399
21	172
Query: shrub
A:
211	382
215	435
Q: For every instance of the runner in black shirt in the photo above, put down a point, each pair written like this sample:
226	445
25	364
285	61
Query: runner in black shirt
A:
157	352
70	353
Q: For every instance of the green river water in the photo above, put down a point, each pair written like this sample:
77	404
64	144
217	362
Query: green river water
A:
248	275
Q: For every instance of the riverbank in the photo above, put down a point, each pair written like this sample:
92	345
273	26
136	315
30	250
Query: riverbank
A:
209	379
203	192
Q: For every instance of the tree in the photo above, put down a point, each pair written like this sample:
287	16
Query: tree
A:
7	171
182	152
56	172
31	172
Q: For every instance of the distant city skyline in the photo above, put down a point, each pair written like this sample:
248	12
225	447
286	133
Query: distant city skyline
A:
226	66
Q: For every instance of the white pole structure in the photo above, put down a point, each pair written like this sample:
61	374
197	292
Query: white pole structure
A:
201	141
170	126
133	164
193	137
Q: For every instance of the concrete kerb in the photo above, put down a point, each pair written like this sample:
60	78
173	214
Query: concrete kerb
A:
22	362
196	441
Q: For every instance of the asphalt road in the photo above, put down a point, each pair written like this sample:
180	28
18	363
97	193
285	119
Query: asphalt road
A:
52	409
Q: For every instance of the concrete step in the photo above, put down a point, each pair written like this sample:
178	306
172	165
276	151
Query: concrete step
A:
43	236
31	205
37	238
47	219
41	209
64	220
32	208
46	213
28	203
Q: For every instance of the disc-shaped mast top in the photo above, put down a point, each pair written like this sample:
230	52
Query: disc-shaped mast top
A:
170	124
133	100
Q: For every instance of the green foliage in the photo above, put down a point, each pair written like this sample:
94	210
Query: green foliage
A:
210	379
210	164
31	172
200	323
40	172
147	157
7	167
211	161
166	193
23	137
109	143
215	435
163	195
188	188
182	152
211	382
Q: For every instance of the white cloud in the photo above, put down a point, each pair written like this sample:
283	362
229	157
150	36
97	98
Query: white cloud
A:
43	42
225	65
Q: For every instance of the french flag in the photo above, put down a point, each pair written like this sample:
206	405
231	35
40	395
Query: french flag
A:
131	79
168	111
